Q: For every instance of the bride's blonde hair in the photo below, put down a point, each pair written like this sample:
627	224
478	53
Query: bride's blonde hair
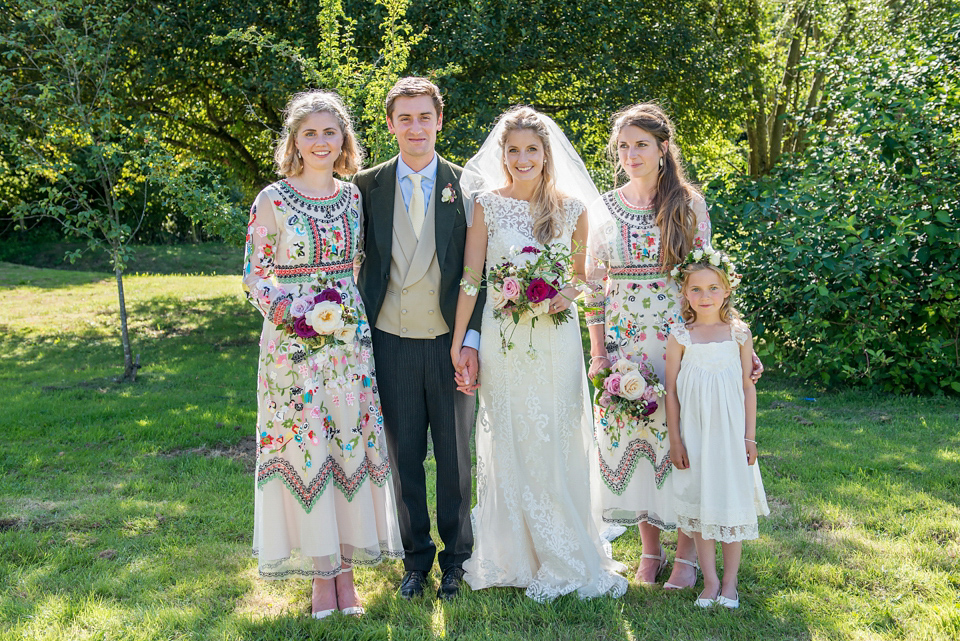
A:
546	207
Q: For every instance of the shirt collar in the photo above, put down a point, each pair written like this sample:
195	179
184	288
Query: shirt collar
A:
429	172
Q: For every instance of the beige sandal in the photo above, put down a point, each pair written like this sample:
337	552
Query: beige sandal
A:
662	558
696	572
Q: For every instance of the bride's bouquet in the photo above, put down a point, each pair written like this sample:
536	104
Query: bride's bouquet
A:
319	317
627	394
520	288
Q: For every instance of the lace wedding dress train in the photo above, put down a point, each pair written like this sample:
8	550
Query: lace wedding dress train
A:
533	523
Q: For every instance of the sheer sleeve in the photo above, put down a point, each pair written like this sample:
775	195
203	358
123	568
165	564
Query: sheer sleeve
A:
263	239
599	254
704	228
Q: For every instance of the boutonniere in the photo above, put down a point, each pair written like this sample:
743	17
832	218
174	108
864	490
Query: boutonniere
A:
448	195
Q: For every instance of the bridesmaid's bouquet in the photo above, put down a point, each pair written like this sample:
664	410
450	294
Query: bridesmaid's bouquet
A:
627	394
520	289
319	317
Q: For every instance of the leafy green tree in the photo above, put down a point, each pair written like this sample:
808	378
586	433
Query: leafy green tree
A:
851	246
92	166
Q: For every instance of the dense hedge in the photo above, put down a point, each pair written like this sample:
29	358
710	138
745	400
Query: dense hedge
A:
851	249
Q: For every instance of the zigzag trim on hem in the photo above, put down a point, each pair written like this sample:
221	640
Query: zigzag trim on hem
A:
618	480
308	494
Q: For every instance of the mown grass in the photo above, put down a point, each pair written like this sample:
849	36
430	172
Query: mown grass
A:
126	511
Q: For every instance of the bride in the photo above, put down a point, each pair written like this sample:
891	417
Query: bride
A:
533	521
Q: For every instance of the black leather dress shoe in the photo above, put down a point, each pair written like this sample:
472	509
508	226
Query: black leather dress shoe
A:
412	584
450	583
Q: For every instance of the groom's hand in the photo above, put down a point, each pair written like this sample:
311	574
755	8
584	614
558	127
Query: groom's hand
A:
468	371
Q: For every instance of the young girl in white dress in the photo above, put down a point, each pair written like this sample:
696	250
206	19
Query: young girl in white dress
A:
712	420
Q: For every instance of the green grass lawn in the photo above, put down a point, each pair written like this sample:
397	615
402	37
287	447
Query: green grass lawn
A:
126	511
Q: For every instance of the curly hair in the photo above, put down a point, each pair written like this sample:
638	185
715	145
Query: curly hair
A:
298	109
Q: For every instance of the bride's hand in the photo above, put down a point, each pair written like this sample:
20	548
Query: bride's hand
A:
455	357
562	300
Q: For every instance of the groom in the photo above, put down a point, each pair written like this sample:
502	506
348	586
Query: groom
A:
415	231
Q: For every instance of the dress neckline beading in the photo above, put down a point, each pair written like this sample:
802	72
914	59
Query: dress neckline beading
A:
323	200
630	207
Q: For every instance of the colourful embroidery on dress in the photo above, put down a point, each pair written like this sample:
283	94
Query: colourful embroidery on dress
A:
618	479
307	493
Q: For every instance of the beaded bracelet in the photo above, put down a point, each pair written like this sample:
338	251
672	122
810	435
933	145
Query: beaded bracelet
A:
593	358
750	440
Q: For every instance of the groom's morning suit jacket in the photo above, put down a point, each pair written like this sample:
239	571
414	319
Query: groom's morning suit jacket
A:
399	273
410	288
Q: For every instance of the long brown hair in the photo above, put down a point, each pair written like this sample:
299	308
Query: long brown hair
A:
671	202
547	204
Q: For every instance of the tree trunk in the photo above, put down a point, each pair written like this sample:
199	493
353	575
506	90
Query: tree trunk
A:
129	369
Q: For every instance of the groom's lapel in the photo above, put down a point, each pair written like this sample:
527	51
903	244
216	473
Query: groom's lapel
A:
380	206
445	213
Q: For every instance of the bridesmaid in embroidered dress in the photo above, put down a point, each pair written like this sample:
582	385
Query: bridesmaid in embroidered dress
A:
637	234
324	499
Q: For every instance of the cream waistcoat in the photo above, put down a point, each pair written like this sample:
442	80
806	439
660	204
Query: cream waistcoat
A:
411	307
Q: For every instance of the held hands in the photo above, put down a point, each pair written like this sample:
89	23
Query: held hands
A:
467	368
678	456
757	370
751	451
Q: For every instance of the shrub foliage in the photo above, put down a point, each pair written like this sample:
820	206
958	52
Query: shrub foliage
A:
851	250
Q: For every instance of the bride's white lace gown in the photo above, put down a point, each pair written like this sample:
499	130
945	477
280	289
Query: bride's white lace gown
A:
532	522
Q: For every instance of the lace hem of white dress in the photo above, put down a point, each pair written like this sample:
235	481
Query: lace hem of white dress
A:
722	533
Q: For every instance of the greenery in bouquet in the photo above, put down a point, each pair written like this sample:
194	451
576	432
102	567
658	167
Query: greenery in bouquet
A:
627	395
520	288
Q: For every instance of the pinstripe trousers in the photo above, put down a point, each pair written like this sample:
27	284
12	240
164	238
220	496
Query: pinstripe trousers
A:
415	378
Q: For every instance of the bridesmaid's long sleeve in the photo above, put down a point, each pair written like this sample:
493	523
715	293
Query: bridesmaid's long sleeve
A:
263	241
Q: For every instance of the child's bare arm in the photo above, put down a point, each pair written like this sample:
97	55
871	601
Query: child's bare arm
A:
678	452
749	399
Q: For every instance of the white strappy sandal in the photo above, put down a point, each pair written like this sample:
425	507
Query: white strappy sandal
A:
323	614
696	571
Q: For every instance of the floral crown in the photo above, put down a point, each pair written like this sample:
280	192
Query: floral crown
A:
707	255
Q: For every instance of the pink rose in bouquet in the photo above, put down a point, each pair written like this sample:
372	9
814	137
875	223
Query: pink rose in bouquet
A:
301	306
510	288
612	384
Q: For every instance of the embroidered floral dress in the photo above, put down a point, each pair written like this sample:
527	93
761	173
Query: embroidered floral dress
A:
324	500
719	495
637	305
533	520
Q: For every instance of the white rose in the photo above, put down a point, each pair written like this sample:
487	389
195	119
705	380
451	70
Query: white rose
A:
346	334
536	309
715	260
632	385
499	300
325	317
697	254
522	260
623	366
541	308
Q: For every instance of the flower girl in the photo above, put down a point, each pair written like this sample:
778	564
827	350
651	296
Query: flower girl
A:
712	419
